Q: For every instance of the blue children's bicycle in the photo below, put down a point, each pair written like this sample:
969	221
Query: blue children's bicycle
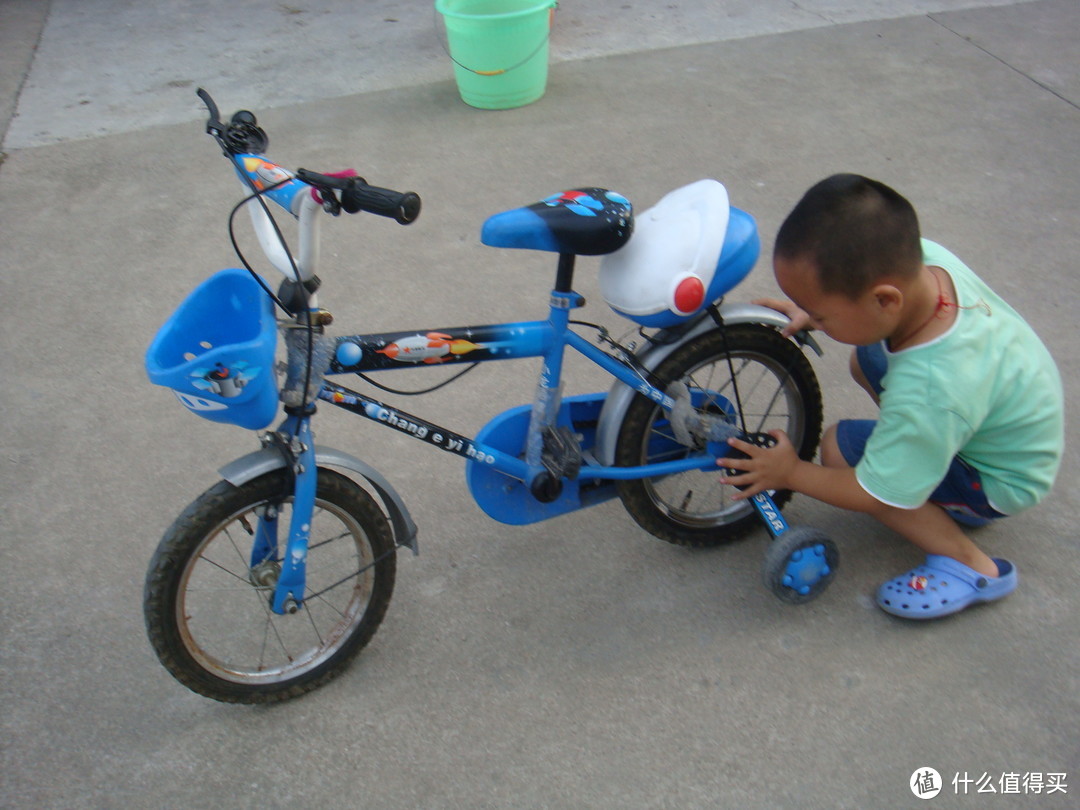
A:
272	580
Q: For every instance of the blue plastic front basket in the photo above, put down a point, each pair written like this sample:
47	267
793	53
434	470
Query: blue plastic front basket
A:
216	352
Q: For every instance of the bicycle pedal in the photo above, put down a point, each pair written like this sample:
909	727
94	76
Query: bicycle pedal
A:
756	439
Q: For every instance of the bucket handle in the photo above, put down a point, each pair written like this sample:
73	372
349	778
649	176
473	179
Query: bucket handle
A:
445	42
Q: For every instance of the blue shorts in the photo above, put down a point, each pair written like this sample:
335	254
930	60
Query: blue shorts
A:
961	492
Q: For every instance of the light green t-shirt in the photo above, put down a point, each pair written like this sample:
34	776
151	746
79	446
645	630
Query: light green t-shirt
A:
987	390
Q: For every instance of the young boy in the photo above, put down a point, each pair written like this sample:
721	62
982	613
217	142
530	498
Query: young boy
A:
971	422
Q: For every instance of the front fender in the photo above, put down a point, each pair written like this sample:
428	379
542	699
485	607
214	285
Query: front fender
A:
620	395
268	459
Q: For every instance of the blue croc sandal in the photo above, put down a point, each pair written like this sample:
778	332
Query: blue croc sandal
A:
941	586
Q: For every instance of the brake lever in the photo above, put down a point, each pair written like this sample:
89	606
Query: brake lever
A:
330	203
329	186
213	123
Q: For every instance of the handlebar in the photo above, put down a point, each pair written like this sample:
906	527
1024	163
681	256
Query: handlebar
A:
356	195
303	193
243	136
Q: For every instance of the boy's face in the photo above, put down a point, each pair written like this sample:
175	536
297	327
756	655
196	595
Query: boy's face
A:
860	321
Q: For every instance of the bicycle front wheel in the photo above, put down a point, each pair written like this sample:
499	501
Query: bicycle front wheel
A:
747	374
207	608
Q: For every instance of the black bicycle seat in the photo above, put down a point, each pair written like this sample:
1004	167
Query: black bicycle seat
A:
583	221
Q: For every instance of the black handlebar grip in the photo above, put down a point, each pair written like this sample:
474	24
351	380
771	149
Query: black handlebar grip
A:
402	206
357	195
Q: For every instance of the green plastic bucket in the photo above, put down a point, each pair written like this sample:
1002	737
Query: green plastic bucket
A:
499	49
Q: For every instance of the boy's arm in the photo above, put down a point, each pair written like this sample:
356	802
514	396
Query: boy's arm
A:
780	467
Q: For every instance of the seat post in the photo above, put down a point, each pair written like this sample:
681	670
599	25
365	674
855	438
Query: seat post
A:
564	281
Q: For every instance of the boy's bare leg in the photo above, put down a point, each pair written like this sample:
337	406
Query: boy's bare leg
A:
929	527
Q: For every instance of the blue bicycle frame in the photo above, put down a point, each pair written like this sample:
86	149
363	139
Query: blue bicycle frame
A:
545	339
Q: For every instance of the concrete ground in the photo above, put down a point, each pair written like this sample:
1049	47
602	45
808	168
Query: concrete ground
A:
577	663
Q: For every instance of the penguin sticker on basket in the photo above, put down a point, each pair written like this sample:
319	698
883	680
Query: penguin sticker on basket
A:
687	251
225	380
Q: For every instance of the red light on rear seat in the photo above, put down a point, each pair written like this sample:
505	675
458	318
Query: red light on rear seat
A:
689	295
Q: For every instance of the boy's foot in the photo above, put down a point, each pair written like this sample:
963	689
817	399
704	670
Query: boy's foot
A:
941	586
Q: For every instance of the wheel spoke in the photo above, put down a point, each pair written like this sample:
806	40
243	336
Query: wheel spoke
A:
228	571
228	534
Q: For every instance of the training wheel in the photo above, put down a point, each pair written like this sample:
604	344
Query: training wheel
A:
800	564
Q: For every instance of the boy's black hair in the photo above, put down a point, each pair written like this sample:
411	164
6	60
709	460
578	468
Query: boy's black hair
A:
855	231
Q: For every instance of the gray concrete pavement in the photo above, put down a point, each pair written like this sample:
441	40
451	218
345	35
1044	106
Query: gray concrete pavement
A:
578	663
145	58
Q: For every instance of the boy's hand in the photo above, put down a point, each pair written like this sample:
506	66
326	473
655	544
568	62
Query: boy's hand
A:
766	468
799	319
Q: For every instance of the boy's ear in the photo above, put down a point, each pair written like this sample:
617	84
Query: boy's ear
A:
888	297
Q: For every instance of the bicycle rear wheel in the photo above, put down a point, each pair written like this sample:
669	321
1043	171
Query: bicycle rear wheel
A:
748	366
207	609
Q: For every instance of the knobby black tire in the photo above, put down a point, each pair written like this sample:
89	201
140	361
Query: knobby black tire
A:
778	389
211	625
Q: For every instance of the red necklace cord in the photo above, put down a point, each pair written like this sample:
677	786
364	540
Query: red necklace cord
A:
943	303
